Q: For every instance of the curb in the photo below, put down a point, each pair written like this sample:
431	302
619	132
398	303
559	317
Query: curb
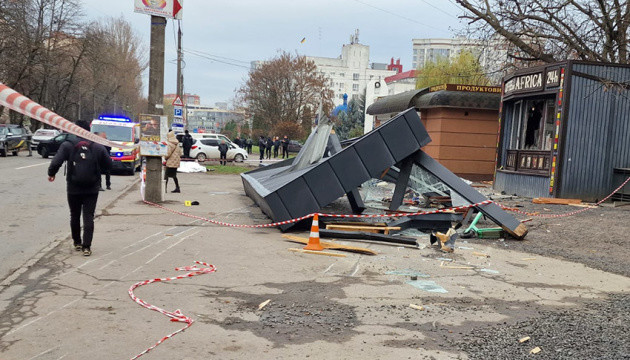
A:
46	249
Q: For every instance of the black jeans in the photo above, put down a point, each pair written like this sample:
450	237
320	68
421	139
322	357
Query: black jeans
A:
223	157
285	151
86	204
108	179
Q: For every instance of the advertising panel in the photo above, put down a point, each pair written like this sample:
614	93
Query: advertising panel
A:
170	9
153	129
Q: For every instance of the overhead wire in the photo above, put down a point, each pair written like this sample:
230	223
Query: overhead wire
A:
401	16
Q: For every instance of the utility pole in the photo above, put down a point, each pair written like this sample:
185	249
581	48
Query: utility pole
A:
180	77
153	190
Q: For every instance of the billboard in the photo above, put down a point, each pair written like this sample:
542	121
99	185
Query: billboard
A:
170	9
153	129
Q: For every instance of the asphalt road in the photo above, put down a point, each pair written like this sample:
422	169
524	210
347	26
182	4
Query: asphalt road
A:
33	211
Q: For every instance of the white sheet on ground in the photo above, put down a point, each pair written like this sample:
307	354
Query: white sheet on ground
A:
191	167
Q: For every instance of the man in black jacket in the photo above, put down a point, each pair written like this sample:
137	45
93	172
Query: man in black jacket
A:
83	182
187	142
223	149
285	146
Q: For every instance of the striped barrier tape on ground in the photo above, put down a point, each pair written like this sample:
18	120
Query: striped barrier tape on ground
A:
221	223
176	315
20	103
279	223
569	213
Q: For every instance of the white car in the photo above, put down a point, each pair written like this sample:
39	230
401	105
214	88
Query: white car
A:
204	149
43	134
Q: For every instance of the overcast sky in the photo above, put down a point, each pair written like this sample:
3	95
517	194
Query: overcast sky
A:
239	31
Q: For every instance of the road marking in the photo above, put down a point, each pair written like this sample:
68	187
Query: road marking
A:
24	167
44	353
330	267
176	243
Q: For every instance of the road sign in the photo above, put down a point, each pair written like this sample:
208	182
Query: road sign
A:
171	9
178	101
177	111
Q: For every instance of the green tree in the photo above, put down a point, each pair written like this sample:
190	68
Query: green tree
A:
350	124
230	129
463	69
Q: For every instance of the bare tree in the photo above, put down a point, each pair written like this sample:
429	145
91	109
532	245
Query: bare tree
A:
553	30
278	93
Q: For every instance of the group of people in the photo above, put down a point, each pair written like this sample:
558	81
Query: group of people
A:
265	146
246	144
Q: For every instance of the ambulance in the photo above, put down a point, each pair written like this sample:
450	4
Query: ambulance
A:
126	132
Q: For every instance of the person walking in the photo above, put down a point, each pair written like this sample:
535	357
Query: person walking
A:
107	173
173	157
276	145
187	142
285	147
223	149
262	145
269	143
85	161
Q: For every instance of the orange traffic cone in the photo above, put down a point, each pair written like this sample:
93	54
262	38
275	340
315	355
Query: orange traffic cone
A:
313	239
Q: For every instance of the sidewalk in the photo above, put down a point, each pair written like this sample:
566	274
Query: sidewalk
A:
73	307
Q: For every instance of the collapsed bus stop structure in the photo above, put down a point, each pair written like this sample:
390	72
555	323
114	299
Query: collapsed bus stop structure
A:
565	131
284	191
462	120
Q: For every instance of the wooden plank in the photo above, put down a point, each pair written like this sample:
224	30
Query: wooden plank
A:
316	252
332	246
359	223
556	201
372	229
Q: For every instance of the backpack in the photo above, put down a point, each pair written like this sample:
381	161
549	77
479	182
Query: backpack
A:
83	169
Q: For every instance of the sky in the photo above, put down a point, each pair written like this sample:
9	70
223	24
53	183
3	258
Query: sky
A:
230	34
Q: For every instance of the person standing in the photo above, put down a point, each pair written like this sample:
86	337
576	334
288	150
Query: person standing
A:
107	173
249	144
238	142
276	145
223	149
85	161
285	147
262	145
173	157
269	143
187	142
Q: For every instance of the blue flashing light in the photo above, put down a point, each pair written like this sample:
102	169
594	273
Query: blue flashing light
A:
119	154
114	118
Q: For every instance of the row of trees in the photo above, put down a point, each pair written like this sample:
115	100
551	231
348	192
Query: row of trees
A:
79	70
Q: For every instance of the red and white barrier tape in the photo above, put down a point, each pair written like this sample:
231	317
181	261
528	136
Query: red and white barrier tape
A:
569	213
20	103
176	315
279	223
485	202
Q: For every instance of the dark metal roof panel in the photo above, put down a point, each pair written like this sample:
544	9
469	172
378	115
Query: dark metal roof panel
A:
395	103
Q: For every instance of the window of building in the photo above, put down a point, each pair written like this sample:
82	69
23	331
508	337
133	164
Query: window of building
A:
531	136
355	76
355	97
342	74
355	87
342	86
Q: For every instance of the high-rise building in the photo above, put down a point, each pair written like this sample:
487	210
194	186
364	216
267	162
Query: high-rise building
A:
351	72
492	54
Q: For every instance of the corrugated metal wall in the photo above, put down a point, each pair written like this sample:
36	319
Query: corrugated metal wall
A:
598	133
522	185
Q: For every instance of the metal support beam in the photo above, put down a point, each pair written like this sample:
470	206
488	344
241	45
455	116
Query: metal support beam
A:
354	197
401	183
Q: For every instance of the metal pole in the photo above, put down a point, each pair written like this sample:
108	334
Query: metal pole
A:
153	190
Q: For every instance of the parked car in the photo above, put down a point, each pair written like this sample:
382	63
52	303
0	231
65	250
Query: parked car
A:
46	148
43	134
294	146
204	149
12	138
